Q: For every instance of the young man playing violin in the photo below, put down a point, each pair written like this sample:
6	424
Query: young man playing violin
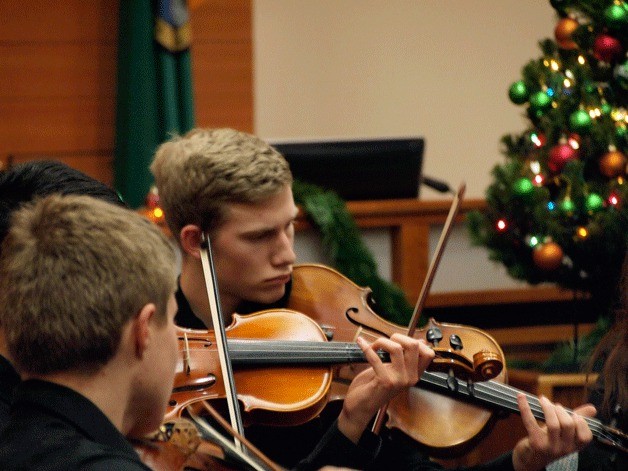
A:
237	189
87	308
18	186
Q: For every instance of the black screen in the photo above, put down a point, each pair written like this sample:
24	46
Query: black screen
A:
360	169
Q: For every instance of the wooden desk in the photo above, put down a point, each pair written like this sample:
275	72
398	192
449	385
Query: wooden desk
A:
409	222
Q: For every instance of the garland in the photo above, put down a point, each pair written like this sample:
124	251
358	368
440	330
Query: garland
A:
341	240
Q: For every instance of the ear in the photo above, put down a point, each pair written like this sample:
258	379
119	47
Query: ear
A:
141	329
190	238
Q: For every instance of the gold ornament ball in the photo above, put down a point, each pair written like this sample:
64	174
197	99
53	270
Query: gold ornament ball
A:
613	164
548	256
564	31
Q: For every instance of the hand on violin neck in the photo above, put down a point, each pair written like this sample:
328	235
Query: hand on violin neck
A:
377	385
563	433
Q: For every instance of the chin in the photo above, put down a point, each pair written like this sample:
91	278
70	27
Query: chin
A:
147	420
144	427
264	298
273	296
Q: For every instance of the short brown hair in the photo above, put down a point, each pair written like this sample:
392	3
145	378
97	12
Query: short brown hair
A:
198	173
73	271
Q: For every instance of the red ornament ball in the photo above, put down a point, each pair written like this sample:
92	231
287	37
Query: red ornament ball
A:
548	256
152	198
613	164
607	48
564	31
559	155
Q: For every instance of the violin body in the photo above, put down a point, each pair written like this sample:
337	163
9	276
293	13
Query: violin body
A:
343	310
269	394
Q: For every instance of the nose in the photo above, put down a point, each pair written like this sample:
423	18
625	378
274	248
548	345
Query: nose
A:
284	250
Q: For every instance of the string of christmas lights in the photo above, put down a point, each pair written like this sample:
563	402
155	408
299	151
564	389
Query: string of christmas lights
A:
556	211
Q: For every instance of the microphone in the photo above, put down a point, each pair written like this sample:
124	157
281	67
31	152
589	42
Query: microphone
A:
437	185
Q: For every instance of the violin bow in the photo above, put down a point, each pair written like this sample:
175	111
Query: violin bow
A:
258	461
221	337
427	283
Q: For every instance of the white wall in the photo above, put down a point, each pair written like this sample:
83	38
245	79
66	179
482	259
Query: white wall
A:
435	68
365	68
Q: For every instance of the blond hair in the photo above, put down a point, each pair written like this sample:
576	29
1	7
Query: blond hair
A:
198	173
74	270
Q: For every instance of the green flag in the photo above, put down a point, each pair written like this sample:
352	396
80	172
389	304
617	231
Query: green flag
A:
154	98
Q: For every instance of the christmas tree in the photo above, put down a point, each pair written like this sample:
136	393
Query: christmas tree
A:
557	210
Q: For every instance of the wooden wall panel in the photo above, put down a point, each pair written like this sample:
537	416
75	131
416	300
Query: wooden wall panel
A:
57	126
58	80
222	21
97	165
223	86
222	58
68	70
57	87
70	20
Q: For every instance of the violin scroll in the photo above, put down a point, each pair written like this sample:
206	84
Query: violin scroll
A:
485	364
488	364
177	445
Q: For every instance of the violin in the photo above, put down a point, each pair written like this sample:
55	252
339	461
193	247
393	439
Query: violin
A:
283	366
179	445
446	414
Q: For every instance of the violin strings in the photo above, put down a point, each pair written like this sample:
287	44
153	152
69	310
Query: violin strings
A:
252	351
507	395
255	352
535	405
503	395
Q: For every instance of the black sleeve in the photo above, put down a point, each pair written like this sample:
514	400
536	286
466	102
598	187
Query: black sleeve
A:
337	450
501	463
107	463
400	452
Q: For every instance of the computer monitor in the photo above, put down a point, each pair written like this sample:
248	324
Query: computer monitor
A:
358	169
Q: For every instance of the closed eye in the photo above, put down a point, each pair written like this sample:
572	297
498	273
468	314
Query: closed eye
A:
255	236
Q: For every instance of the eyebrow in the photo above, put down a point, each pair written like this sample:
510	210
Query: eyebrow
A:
258	232
269	229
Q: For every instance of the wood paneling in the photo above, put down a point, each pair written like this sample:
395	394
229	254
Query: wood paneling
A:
42	21
57	88
223	85
222	21
56	126
58	80
98	165
34	71
222	57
